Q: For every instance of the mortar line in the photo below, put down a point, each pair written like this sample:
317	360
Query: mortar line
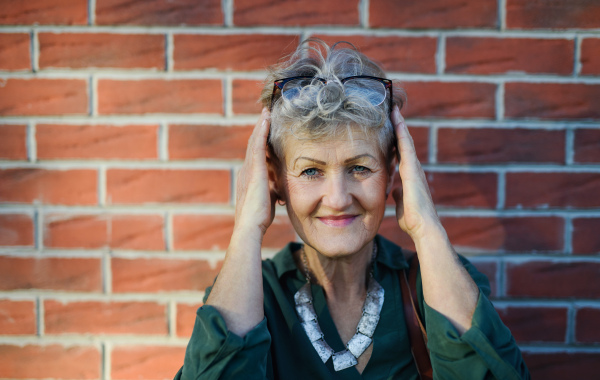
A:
502	15
432	145
168	231
501	278
228	96
169	52
571	325
30	142
172	319
93	94
500	102
38	230
106	360
35	51
501	190
102	197
363	11
163	141
577	65
106	273
91	12
228	8
40	316
569	146
568	235
440	55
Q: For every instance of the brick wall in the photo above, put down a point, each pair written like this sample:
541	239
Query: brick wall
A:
122	125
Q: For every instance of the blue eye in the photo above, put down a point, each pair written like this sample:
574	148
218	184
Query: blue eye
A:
311	172
359	168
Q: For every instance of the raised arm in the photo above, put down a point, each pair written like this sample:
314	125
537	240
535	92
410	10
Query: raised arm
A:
238	292
447	287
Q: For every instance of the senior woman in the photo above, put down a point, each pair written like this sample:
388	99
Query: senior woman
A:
331	307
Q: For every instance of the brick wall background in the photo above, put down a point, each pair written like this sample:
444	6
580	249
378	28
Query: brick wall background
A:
122	125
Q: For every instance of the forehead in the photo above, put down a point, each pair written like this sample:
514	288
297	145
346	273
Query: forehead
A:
332	149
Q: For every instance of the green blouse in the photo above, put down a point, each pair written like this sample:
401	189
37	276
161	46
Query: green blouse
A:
278	348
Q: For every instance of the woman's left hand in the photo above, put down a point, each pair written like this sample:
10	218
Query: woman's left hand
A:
414	207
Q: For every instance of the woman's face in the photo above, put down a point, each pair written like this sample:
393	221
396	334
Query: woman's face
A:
335	191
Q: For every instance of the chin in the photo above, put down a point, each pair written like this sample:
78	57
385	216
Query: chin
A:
339	243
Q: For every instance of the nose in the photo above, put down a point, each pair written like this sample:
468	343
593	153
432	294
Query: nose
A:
337	195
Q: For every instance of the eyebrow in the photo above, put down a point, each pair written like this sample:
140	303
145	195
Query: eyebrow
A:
324	163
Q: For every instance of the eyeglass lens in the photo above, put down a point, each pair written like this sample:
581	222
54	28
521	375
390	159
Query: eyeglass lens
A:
372	90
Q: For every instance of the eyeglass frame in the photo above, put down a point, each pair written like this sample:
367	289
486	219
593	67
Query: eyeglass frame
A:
280	83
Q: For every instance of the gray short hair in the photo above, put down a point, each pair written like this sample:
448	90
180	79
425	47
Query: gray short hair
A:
322	112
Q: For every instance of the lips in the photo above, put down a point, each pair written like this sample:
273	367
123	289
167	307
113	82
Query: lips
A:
337	220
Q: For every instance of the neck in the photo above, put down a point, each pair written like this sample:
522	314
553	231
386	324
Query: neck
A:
341	278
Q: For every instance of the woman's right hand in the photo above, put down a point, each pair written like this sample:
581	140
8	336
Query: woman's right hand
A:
255	194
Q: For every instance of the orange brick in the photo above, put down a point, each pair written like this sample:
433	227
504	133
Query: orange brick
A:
82	50
295	13
208	141
43	97
159	96
75	231
143	232
66	141
46	362
145	362
433	14
16	230
552	100
231	51
176	186
536	324
105	318
245	94
161	275
17	317
49	12
186	317
587	145
557	14
14	51
159	12
68	187
13	142
405	54
68	274
590	56
468	55
450	99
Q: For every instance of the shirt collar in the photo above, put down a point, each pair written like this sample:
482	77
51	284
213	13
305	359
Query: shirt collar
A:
388	254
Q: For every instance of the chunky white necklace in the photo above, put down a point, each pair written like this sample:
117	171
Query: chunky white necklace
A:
364	331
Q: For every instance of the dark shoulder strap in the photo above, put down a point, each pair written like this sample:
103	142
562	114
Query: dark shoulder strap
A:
416	330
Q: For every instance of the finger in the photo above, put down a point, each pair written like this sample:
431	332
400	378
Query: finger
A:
260	124
406	146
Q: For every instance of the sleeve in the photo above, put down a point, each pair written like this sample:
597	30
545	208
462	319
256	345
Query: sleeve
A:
486	351
214	352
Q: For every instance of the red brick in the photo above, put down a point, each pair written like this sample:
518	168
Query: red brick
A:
16	230
231	51
186	317
245	93
141	232
17	317
459	189
552	100
160	96
492	145
14	51
47	362
489	269
468	55
450	99
544	190
105	318
43	97
55	141
586	325
505	234
145	362
563	365
75	231
44	12
556	14
535	324
161	275
30	185
159	186
13	145
159	12
68	274
586	239
404	54
553	279
83	50
434	14
590	56
213	232
188	142
587	145
295	13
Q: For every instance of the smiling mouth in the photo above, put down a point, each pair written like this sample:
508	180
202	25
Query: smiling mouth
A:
337	221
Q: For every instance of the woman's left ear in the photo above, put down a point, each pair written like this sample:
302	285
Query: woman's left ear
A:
273	169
